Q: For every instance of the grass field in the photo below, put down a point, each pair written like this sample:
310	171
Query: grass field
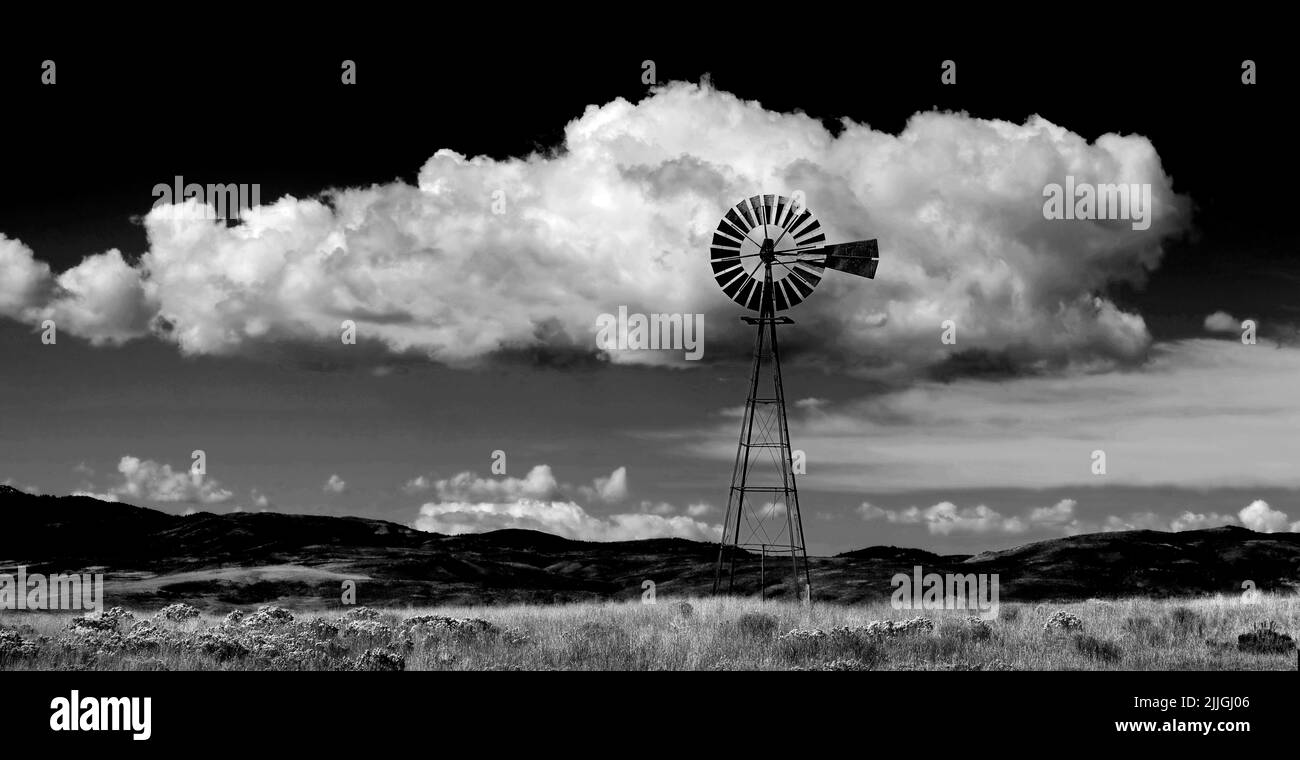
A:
698	634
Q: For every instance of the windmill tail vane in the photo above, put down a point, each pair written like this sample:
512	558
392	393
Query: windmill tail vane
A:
768	254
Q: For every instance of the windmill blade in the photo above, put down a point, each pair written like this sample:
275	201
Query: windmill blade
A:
857	258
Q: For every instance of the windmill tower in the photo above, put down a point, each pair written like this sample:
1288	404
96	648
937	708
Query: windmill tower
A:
768	254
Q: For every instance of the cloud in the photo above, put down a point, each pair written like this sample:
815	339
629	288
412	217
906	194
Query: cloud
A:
1193	521
539	483
1061	513
101	299
24	281
1259	516
1059	519
335	484
260	499
470	504
945	519
562	518
1222	322
101	496
611	489
660	508
1171	423
621	214
150	480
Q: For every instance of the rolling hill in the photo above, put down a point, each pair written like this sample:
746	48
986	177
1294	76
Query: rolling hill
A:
151	558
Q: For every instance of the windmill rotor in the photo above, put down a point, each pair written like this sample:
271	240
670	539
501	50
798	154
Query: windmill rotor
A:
774	233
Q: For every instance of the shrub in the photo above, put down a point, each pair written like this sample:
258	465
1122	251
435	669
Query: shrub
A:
178	613
977	629
268	617
380	659
219	645
1265	639
847	664
1063	621
429	625
14	646
109	620
801	643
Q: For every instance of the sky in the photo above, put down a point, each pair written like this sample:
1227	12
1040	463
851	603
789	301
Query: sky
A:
475	238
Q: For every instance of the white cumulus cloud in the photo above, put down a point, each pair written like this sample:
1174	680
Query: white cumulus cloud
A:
946	518
621	214
1259	516
471	504
154	481
1222	322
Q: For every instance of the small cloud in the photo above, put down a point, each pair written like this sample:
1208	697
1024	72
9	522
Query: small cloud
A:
1259	516
946	518
154	481
259	499
1060	513
335	484
1192	521
101	496
609	490
810	403
699	510
562	518
1222	322
418	484
470	504
661	508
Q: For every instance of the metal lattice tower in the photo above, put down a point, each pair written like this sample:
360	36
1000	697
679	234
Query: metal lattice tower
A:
763	515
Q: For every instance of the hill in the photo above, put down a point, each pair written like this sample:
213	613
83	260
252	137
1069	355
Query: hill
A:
150	558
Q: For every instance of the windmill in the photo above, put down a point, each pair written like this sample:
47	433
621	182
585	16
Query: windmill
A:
768	254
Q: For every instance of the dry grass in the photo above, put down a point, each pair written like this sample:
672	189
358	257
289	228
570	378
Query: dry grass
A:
722	634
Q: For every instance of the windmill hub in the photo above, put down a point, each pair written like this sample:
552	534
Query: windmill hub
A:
763	515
